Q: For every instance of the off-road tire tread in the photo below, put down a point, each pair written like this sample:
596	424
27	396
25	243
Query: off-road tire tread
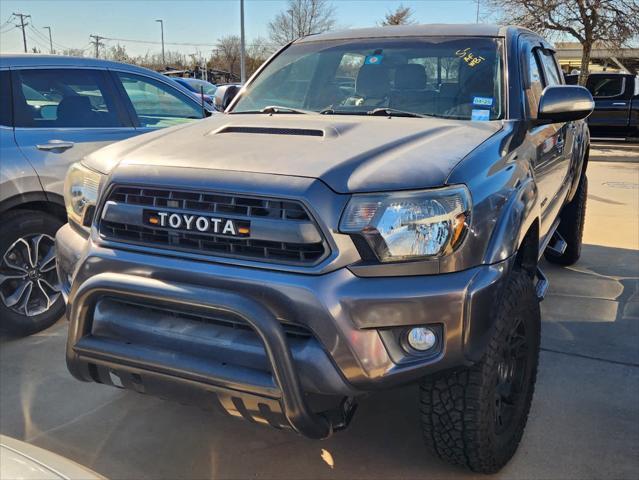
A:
456	406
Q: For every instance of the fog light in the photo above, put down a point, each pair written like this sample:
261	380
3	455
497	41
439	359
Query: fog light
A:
421	338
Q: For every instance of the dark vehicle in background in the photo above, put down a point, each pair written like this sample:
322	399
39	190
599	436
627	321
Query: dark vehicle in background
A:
326	237
201	88
54	110
616	98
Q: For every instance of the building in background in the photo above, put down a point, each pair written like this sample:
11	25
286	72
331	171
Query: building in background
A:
602	59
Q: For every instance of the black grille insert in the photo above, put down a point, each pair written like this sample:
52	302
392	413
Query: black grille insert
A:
236	206
220	319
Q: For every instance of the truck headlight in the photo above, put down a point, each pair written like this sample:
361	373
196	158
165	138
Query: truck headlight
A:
410	225
81	193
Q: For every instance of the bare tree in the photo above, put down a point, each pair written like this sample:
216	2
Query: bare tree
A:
610	23
257	52
401	16
226	56
73	52
301	18
118	53
228	52
154	60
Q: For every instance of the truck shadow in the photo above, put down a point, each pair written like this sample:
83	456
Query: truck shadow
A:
592	308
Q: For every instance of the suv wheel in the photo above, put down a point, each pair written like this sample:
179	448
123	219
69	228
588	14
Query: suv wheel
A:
476	416
30	298
571	226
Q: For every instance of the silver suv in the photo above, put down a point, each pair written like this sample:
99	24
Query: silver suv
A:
55	110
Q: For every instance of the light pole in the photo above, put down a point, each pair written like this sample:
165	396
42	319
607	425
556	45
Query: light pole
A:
162	33
290	11
22	16
242	45
477	19
50	39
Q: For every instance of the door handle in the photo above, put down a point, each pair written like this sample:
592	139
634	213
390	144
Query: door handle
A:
619	104
55	145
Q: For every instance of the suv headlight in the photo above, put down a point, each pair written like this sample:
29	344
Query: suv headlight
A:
81	193
410	225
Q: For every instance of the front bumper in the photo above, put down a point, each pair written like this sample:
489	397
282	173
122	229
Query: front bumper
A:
132	325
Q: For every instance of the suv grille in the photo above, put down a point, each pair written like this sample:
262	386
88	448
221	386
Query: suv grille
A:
238	207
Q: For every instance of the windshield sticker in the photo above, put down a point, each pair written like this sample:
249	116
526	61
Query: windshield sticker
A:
480	115
483	101
373	59
469	57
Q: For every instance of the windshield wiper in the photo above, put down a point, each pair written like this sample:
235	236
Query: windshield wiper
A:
332	111
393	112
278	109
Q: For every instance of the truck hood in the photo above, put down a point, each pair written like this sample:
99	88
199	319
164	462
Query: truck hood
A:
348	153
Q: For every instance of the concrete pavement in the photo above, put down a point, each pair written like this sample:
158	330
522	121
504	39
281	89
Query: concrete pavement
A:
584	421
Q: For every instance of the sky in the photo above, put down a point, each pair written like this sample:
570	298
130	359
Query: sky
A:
187	21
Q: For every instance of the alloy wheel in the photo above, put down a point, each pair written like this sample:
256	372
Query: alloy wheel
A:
29	282
512	371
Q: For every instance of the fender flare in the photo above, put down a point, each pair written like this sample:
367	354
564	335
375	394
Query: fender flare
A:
579	160
518	215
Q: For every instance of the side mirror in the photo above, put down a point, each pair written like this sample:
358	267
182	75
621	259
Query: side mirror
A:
224	95
564	103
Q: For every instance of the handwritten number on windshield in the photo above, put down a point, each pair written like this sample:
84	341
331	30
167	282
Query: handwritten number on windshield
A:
469	57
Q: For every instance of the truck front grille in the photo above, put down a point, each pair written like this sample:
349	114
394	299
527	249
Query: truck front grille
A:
281	214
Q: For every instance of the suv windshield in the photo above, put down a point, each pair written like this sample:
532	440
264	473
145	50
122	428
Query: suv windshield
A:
453	77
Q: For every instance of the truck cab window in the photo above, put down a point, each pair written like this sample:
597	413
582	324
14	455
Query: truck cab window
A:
534	84
551	74
611	86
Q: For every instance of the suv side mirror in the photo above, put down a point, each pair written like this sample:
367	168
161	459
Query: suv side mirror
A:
224	95
564	103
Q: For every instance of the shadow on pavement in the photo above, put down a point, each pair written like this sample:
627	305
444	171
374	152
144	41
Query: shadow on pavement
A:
593	307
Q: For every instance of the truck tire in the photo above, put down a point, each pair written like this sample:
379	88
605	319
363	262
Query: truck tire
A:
571	227
475	417
30	298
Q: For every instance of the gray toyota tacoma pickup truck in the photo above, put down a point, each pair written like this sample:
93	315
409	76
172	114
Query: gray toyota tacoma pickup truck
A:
369	212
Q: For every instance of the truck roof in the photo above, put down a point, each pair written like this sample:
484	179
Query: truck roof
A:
423	30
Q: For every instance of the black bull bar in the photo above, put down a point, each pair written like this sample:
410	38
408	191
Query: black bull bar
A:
84	350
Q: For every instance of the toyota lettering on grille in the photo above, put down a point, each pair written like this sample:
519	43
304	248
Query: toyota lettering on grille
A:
197	223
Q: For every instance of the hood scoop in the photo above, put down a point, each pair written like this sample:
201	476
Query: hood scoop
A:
303	132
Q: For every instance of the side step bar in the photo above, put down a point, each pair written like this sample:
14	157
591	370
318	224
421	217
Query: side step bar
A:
554	244
557	245
541	287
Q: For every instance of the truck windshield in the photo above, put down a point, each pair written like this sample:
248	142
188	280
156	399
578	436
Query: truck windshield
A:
450	77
